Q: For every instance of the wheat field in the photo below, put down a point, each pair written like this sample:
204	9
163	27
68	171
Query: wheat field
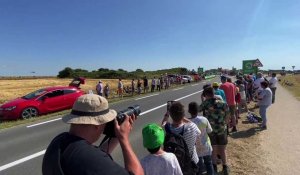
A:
11	89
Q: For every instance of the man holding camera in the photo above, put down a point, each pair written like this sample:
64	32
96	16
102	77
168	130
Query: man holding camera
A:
73	153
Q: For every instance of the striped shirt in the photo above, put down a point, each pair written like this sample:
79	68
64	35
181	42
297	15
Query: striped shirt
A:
190	134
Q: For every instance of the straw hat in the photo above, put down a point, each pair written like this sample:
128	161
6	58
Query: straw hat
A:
90	109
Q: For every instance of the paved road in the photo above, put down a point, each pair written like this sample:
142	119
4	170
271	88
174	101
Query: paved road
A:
22	148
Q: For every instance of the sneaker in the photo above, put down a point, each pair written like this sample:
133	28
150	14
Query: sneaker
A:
234	129
225	170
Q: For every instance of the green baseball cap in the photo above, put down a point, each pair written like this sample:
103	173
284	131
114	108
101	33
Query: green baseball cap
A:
153	136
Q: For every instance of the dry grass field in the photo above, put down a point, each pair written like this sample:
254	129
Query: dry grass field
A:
10	89
292	83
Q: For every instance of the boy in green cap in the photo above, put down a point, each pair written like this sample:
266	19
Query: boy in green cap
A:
158	161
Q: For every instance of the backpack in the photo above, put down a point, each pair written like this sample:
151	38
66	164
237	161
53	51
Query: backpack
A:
176	144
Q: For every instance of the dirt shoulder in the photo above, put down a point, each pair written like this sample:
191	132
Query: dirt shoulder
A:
281	142
276	151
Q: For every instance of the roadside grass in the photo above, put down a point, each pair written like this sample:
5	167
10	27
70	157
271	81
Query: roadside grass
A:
9	124
112	99
244	148
292	83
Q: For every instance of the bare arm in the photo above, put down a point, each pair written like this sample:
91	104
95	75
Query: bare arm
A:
131	161
165	119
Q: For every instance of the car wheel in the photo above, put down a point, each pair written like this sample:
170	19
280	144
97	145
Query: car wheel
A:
29	112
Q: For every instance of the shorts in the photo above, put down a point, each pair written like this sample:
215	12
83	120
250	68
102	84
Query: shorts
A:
120	90
232	110
216	139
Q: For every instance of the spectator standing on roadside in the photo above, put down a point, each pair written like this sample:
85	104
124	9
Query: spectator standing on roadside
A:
180	125
139	86
230	92
146	85
158	84
132	87
256	85
161	82
153	83
158	162
73	152
166	81
204	149
120	88
99	88
250	89
243	101
106	90
264	101
273	86
217	115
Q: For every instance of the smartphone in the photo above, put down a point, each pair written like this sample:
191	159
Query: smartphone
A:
169	103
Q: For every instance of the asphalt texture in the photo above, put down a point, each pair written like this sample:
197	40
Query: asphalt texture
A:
20	142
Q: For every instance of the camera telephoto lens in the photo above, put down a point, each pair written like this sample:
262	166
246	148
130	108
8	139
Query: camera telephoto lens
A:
109	129
129	111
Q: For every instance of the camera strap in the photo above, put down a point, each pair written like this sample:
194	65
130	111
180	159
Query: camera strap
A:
104	140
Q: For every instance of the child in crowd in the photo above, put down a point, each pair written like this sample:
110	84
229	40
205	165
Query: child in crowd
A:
204	148
158	161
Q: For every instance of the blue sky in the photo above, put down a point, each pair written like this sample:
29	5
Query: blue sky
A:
46	36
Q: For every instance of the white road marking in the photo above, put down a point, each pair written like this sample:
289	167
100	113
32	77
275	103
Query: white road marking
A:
17	162
37	124
150	110
177	89
146	96
188	95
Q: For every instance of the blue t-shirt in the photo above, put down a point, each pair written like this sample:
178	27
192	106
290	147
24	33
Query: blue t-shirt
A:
221	93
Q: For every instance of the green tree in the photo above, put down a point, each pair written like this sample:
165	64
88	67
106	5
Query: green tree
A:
66	73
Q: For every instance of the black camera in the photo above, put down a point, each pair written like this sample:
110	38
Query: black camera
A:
109	129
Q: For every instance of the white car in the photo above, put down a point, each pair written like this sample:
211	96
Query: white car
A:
187	78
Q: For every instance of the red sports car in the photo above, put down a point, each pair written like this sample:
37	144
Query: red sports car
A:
42	101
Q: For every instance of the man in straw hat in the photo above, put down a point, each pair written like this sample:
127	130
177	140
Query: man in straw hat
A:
73	152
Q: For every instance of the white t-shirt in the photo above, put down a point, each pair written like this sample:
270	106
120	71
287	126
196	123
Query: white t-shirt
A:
203	145
257	83
163	164
266	97
99	88
273	82
153	82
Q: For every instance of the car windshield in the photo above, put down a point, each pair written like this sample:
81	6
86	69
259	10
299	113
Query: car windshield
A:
34	94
